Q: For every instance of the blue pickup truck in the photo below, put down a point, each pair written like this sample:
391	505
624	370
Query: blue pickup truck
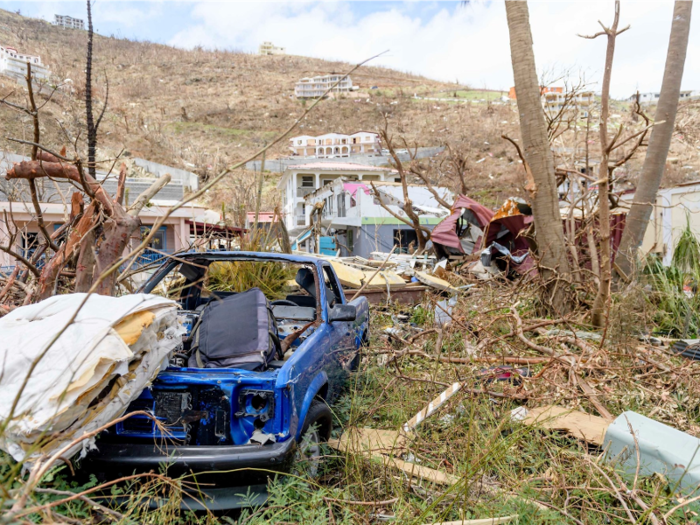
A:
231	428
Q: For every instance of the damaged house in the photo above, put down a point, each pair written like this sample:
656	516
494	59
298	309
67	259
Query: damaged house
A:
354	221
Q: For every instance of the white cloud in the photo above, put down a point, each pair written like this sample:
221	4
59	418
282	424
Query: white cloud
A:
469	43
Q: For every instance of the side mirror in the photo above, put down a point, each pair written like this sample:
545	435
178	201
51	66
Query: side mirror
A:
342	312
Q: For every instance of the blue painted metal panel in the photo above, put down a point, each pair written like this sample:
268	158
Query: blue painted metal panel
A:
327	246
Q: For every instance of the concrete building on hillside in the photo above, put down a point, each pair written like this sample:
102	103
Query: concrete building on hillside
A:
556	102
267	48
68	22
333	145
354	218
14	64
314	87
300	180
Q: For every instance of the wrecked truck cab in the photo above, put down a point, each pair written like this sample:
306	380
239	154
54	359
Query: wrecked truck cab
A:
220	424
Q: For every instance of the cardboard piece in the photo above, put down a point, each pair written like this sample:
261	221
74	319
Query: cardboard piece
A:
579	424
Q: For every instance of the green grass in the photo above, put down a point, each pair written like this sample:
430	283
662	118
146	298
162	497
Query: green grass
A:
472	95
204	129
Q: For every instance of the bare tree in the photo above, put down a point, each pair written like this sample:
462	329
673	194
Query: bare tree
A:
412	219
660	140
549	233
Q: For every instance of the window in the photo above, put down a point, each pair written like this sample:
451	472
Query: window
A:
30	242
405	239
341	205
331	286
307	181
158	241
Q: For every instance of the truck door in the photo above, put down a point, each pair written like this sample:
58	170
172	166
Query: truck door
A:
343	347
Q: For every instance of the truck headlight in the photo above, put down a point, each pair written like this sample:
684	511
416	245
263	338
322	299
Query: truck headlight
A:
259	404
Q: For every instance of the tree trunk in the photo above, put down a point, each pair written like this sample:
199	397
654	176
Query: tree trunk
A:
660	140
549	233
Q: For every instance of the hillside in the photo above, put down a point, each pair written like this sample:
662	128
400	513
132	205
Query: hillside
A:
202	110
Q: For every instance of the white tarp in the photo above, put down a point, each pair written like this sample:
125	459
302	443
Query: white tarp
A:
86	374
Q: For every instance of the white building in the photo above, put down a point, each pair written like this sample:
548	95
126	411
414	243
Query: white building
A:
14	64
300	180
554	102
68	22
646	98
689	95
333	145
314	87
267	48
353	214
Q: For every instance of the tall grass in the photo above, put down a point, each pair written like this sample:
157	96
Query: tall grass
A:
239	276
674	288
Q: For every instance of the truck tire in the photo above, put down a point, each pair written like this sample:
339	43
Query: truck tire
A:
316	429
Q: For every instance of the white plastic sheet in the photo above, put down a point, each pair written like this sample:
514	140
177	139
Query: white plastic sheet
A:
85	374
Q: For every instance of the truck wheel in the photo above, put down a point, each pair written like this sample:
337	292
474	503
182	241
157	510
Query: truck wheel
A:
316	429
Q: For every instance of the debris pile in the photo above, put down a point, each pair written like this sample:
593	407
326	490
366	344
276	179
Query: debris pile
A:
73	363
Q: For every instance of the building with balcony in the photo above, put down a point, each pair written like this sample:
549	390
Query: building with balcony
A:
300	180
68	22
332	145
354	218
314	87
13	64
267	48
568	104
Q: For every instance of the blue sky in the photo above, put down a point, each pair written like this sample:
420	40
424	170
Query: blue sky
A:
439	39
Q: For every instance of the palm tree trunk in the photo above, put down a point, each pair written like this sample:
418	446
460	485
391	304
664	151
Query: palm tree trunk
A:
660	140
549	234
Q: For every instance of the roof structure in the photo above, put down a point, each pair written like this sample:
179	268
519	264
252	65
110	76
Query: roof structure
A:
60	191
338	166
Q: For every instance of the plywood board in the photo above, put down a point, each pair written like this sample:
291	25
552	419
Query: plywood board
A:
354	278
435	282
348	276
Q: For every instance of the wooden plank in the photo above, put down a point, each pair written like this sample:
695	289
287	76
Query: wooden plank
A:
480	521
382	444
418	471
